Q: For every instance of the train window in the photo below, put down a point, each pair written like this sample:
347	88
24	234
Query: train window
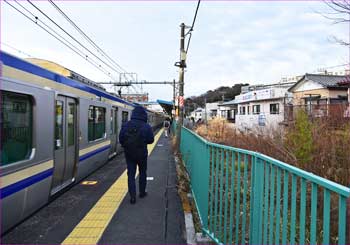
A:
116	120
71	123
125	116
16	122
59	125
111	123
91	123
96	123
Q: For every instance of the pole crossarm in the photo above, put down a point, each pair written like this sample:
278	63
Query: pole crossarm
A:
133	83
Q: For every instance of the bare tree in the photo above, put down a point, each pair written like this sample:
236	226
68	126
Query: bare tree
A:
340	13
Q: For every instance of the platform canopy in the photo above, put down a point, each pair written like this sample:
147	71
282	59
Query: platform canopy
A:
166	105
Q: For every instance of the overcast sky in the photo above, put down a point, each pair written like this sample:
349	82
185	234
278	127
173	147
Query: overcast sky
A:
232	42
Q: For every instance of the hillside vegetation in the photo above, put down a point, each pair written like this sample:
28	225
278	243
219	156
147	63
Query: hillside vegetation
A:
218	94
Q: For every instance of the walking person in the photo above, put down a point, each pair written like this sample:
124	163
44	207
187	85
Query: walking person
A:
166	125
134	137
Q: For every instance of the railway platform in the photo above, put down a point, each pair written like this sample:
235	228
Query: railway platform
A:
97	210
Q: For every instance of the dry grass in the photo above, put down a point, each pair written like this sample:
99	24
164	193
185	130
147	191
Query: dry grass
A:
330	153
183	188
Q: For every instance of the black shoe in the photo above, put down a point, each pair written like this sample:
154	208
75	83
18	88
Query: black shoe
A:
142	195
133	200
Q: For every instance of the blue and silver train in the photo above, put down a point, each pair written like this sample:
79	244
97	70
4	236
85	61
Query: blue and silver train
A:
55	129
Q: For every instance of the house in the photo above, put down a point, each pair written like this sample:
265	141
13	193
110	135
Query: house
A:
198	113
260	108
228	110
211	110
320	89
321	95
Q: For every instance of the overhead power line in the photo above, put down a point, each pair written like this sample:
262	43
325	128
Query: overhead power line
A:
191	29
86	37
59	38
19	51
61	28
103	53
83	55
329	67
105	59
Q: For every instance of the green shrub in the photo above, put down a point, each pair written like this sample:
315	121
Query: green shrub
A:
300	138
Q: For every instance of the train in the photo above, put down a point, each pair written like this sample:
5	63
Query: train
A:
56	127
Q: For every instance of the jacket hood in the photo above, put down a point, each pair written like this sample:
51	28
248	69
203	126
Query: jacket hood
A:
139	113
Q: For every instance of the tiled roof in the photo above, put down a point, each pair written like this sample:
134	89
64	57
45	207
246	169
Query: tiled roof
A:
231	102
327	80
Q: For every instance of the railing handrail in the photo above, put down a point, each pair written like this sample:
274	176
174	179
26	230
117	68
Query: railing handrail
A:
325	183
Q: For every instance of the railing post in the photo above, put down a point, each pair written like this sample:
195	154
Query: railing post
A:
257	202
348	222
206	211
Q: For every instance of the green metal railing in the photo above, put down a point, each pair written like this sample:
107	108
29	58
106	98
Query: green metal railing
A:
245	197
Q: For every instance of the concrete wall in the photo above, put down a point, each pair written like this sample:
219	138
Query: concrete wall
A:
324	93
250	122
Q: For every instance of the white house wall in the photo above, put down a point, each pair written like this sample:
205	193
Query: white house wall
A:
263	94
307	85
250	122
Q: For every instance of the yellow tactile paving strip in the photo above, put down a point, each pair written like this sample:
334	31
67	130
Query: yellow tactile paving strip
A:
92	226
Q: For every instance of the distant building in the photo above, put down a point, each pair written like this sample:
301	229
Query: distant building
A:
228	110
152	105
262	107
198	114
143	97
211	110
320	89
321	95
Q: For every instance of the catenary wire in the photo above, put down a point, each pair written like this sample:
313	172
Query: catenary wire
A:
99	50
67	45
103	53
72	45
191	29
19	51
48	17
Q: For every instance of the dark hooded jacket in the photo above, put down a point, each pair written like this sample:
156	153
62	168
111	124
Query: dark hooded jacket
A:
139	120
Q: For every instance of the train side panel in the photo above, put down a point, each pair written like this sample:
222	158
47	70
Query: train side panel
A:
27	150
94	140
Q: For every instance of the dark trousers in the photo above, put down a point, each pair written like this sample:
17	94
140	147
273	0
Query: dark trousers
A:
131	165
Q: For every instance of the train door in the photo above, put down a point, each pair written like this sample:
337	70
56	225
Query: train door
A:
114	130
65	142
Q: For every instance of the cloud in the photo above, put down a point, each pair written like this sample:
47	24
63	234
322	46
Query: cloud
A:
232	42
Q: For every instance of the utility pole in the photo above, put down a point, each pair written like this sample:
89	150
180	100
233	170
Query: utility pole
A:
205	111
174	96
181	65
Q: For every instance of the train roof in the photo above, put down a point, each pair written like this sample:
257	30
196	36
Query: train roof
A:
29	67
61	70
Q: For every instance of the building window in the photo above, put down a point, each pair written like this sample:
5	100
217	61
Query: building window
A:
230	114
242	110
248	110
96	123
16	120
256	109
125	116
274	108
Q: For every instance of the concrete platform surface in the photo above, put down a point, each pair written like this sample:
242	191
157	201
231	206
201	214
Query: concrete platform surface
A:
156	219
